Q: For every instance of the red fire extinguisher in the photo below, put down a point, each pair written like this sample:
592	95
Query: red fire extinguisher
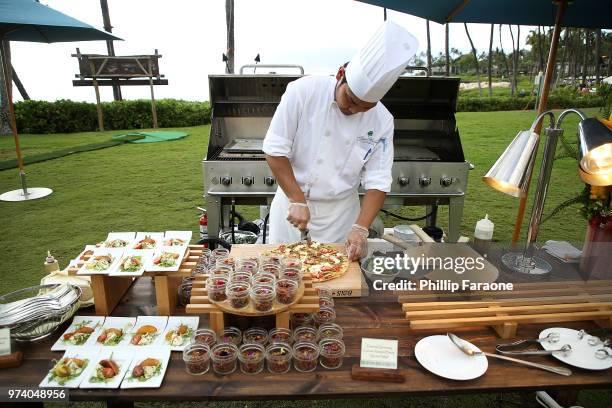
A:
203	221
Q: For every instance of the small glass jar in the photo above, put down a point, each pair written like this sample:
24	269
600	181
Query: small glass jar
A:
219	271
324	291
280	335
240	277
330	331
293	274
206	253
323	316
196	358
227	262
215	287
204	336
184	291
291	262
201	267
301	319
331	353
262	297
255	335
238	294
224	357
326	302
247	266
231	335
270	258
286	291
251	357
263	278
305	334
219	253
278	356
305	356
272	268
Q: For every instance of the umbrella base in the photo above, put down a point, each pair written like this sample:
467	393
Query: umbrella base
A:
32	194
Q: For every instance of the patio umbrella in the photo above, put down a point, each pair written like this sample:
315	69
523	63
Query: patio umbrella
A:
28	20
557	13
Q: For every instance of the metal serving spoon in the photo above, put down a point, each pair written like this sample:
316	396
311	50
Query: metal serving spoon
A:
461	345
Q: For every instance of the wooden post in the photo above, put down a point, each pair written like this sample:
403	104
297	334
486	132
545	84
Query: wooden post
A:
108	291
92	67
110	47
153	109
550	65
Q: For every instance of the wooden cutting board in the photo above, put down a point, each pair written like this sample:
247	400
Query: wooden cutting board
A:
351	284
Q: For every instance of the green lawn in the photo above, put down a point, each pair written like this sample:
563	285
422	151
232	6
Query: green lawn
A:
156	186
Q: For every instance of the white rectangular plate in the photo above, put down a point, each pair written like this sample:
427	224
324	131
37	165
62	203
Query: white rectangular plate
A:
158	237
159	322
116	253
145	256
84	353
173	323
94	322
87	248
122	357
184	235
160	353
124	323
125	236
179	250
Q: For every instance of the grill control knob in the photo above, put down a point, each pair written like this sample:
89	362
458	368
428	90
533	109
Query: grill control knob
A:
269	181
226	181
403	181
247	181
425	181
446	181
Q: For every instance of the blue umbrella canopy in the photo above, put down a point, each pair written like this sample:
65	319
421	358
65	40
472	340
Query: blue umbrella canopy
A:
579	13
28	20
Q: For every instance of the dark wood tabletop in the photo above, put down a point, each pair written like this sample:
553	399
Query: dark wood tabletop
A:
377	316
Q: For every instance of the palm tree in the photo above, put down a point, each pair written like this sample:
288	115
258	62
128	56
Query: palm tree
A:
428	47
229	21
491	61
446	50
475	59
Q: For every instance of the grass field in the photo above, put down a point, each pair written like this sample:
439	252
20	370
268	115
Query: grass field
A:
154	187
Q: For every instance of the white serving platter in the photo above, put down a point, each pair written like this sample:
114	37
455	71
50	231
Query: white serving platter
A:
85	353
128	237
122	357
158	237
439	355
191	322
160	353
115	253
582	354
124	323
159	322
144	255
183	235
94	322
178	250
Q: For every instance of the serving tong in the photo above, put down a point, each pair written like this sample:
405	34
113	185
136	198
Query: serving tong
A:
509	349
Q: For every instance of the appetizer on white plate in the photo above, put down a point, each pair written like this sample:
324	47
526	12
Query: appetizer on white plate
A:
166	259
79	331
147	240
108	369
147	330
147	369
177	238
86	253
68	371
102	261
117	240
179	331
132	263
114	332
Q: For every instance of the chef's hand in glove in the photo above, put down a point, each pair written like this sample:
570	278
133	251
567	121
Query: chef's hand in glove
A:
356	242
298	215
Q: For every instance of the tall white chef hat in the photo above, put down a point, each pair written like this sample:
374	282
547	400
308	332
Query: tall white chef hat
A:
376	67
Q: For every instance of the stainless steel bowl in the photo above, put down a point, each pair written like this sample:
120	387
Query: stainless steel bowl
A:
387	275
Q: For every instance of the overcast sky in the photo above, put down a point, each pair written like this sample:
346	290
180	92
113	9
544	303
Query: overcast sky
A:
190	34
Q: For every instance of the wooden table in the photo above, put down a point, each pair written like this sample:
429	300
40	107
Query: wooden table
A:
378	316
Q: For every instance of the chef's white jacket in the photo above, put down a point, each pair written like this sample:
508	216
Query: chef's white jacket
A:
331	153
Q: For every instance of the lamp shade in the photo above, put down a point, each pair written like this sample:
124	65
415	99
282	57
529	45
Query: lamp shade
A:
595	152
511	172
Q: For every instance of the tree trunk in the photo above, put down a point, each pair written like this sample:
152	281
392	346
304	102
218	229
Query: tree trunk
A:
5	124
517	57
575	47
597	56
490	61
110	47
19	85
540	51
585	55
428	47
446	49
560	72
229	21
501	47
513	79
467	32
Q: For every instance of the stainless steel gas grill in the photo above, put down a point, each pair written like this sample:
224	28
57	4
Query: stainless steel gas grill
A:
429	167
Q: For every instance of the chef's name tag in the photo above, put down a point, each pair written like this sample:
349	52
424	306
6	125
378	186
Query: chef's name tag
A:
5	342
378	353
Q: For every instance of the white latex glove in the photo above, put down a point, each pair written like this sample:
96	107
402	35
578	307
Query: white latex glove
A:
356	242
298	215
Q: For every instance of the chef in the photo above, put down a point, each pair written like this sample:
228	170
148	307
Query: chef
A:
328	136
